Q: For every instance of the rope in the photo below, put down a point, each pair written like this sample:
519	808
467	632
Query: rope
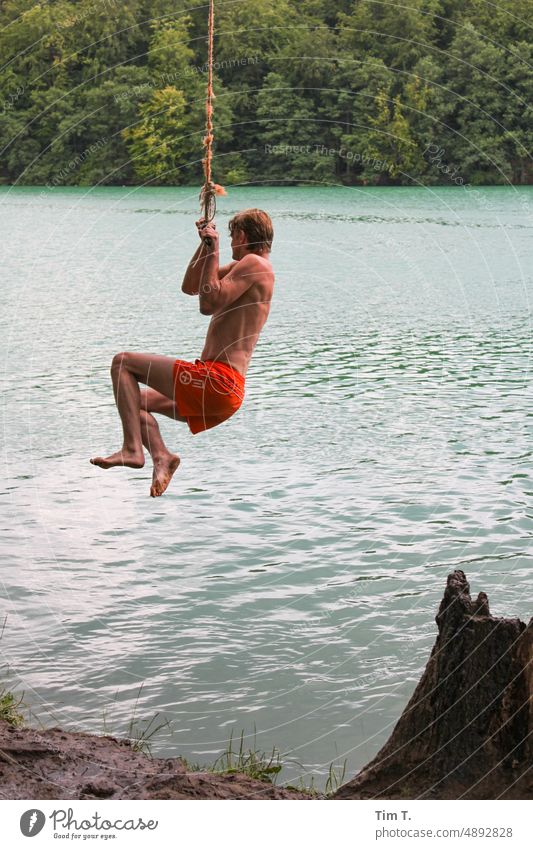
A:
210	189
208	138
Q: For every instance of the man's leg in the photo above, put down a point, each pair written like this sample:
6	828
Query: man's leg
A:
154	402
165	463
127	370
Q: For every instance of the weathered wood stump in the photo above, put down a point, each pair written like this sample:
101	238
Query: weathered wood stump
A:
466	732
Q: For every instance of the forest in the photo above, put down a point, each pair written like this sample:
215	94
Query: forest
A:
349	92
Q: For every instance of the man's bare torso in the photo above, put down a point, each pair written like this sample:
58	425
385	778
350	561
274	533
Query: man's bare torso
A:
234	330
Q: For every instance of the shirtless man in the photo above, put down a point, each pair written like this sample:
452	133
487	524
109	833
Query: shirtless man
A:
204	393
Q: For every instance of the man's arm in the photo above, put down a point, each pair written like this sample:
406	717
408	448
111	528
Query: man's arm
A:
193	273
225	269
191	279
216	294
218	291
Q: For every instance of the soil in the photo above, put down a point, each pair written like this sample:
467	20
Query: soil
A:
57	764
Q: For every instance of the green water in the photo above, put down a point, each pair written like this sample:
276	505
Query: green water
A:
289	579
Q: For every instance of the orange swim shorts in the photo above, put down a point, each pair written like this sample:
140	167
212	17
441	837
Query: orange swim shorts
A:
207	392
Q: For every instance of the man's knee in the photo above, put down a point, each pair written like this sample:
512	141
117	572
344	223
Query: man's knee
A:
120	360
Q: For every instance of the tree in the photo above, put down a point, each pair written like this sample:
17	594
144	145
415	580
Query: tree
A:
290	135
87	82
479	96
160	143
378	29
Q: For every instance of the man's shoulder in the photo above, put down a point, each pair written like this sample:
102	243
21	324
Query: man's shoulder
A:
255	264
224	270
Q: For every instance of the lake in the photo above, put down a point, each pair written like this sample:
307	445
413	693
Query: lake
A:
287	583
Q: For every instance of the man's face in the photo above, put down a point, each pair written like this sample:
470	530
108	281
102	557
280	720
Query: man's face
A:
238	242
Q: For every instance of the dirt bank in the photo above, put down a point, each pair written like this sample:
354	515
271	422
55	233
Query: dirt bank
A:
56	764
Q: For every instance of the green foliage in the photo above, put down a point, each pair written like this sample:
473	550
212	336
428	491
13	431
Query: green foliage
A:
490	111
309	789
256	28
169	52
140	732
9	709
254	763
398	36
290	134
266	767
113	91
158	143
335	778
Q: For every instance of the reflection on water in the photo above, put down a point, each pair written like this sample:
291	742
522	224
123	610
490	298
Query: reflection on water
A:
289	579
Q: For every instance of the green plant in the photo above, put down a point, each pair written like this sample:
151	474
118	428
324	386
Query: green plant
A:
334	779
309	789
253	763
9	706
138	736
266	767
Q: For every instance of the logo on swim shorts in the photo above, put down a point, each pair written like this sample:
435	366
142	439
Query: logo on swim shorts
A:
185	377
32	822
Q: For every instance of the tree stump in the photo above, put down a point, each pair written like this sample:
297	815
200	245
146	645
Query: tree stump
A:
466	732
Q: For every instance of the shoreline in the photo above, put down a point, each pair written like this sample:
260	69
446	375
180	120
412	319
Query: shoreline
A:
304	184
475	694
58	764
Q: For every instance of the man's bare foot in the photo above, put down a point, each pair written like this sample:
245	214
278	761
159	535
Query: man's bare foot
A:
164	468
120	458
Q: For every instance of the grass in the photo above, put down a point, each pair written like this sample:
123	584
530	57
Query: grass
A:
334	780
9	708
308	789
10	704
140	737
263	766
140	731
253	763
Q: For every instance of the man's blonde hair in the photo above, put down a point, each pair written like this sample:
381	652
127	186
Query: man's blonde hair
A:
256	226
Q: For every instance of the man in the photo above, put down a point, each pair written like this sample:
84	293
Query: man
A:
207	392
